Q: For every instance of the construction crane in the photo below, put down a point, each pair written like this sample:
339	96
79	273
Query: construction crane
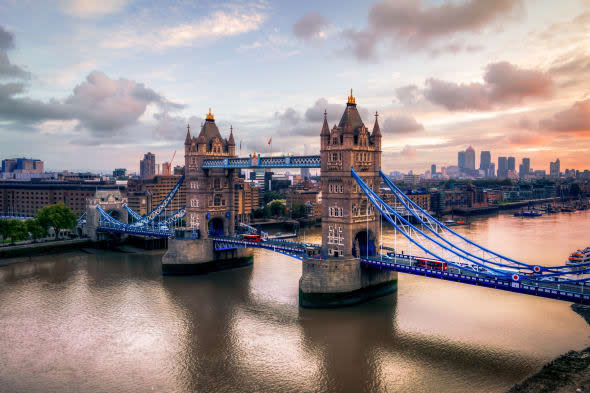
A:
168	165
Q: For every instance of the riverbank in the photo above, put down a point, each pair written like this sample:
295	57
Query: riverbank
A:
568	373
34	249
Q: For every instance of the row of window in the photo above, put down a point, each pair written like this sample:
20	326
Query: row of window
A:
336	212
335	188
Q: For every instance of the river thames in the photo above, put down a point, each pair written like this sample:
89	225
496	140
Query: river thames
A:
89	321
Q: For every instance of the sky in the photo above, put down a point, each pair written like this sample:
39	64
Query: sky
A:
88	85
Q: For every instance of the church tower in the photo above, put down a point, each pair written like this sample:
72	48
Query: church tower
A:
209	192
350	224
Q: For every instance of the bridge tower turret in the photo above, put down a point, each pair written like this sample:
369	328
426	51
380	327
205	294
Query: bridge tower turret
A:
350	224
209	206
209	192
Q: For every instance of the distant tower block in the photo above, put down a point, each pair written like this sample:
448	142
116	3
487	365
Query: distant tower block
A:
350	224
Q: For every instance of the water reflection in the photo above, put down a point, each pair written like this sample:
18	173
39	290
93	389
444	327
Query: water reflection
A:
109	321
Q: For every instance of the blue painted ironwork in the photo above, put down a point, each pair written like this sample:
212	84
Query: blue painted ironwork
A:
407	264
145	220
263	162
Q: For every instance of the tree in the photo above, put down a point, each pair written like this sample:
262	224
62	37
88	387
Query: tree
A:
15	230
299	211
277	209
575	189
270	196
35	229
58	217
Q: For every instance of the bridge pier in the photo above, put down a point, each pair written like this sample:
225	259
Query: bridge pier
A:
187	256
335	282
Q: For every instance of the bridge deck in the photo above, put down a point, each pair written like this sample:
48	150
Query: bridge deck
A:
572	293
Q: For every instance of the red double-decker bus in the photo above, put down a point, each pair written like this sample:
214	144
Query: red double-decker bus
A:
431	264
250	238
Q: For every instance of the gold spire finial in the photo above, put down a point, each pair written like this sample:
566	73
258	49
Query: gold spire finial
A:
210	115
351	99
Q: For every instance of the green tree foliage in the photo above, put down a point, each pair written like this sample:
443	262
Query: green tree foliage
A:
58	217
15	230
271	196
575	189
35	229
298	211
277	209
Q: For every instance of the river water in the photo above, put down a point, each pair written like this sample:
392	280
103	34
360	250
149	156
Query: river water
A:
108	321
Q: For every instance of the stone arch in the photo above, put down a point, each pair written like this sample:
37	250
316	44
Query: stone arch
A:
216	226
363	243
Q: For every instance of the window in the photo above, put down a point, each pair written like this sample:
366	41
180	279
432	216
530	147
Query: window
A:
335	141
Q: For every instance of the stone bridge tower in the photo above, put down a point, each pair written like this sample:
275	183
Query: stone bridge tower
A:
209	192
112	202
350	224
209	207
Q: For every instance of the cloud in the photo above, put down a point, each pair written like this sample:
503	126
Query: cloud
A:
409	152
575	119
504	84
99	104
310	26
528	139
7	69
315	113
401	125
289	117
415	25
408	95
90	8
223	23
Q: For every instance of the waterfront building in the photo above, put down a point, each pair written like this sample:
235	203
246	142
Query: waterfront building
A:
147	166
26	198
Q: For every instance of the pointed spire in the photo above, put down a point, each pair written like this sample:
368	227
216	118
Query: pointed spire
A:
231	136
376	129
187	141
210	116
325	127
351	99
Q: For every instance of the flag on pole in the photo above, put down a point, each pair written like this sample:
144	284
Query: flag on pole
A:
270	140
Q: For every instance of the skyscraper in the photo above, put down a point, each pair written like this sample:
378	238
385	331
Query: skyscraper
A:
432	169
147	166
502	167
485	160
461	160
470	158
511	164
525	167
555	168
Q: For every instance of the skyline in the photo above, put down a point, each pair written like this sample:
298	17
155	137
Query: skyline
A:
105	77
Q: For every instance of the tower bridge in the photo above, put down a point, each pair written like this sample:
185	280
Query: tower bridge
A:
347	267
